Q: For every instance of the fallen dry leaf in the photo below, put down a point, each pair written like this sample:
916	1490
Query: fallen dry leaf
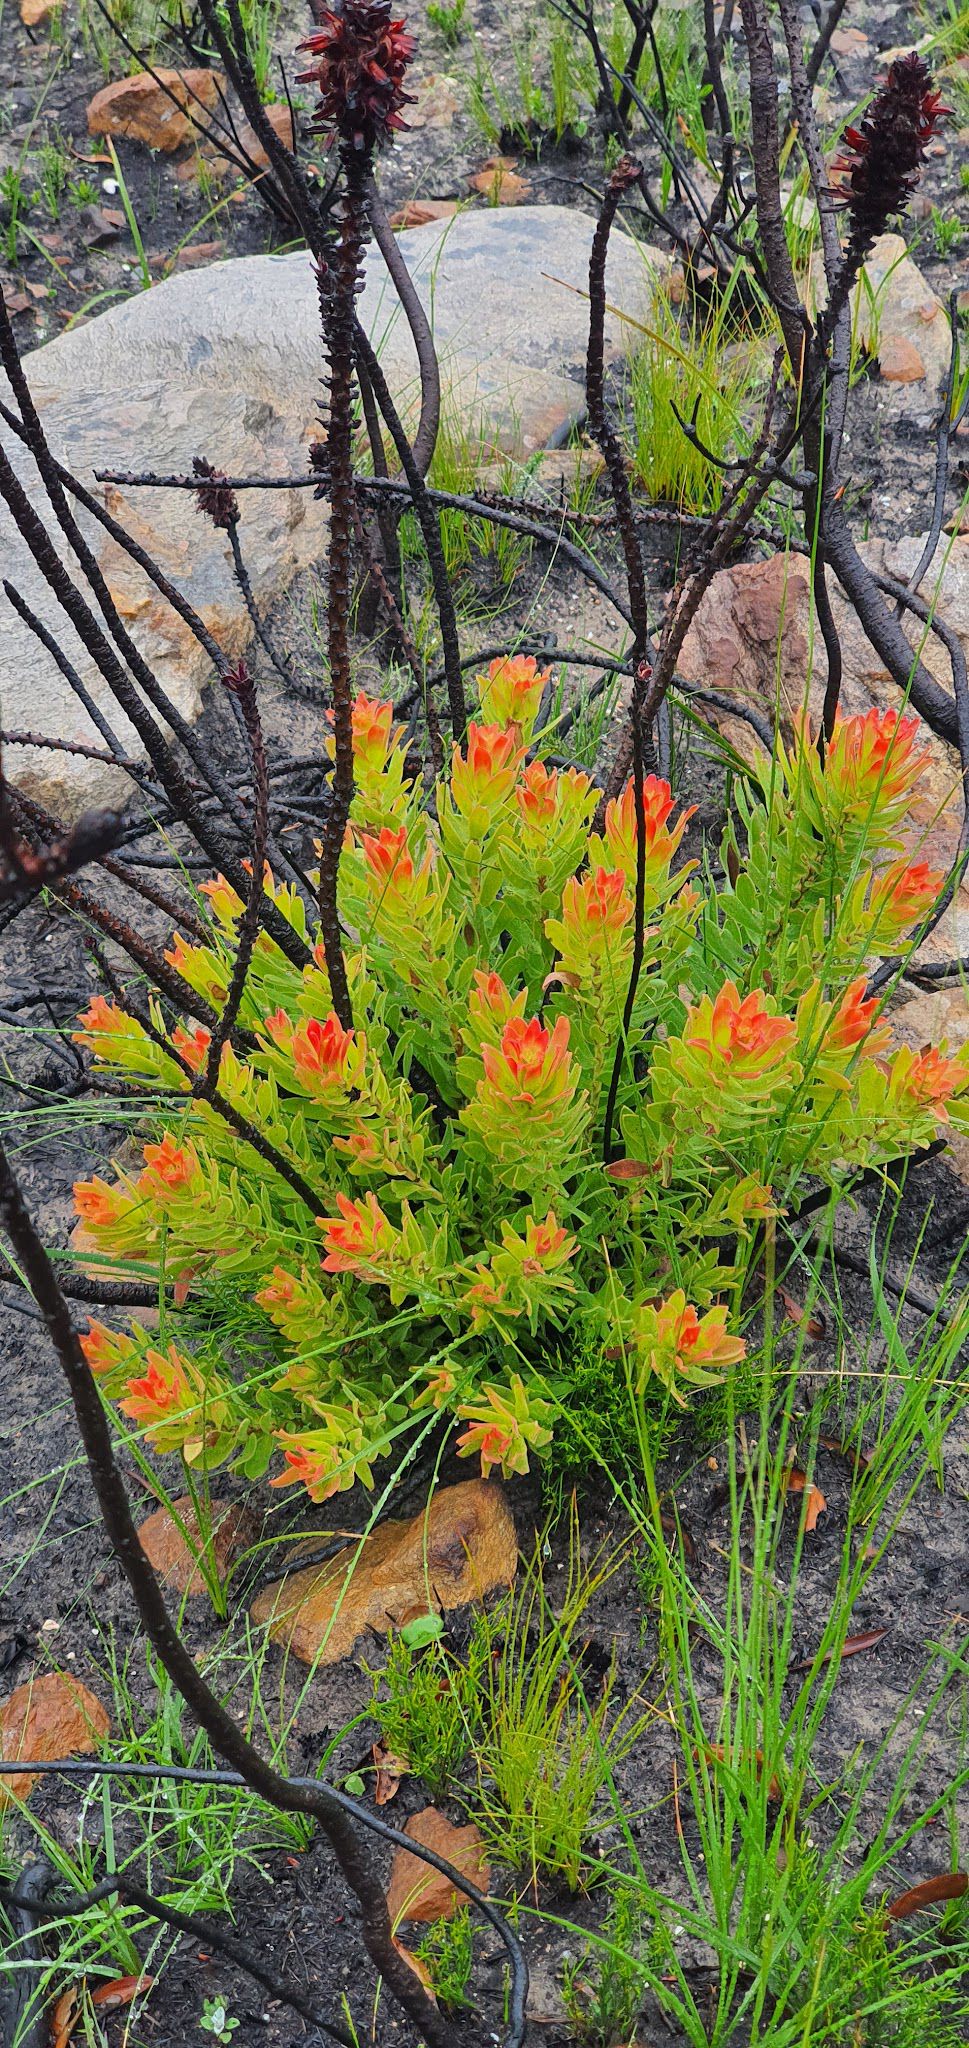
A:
815	1504
845	40
172	1541
456	1551
65	2016
415	1891
416	1964
814	1323
500	182
717	1754
673	1527
51	1716
859	1459
931	1892
852	1645
34	12
16	302
390	1769
416	213
120	1991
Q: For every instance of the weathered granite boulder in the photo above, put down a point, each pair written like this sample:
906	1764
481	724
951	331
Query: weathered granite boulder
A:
226	362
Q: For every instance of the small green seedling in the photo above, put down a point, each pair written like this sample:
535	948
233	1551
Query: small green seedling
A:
447	16
424	1629
217	2020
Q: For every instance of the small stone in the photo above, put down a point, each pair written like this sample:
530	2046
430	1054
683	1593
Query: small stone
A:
154	110
280	121
892	306
436	101
33	13
172	1542
418	1892
456	1551
52	1715
99	226
899	361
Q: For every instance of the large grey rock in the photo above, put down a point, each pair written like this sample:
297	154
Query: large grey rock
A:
160	426
226	362
505	290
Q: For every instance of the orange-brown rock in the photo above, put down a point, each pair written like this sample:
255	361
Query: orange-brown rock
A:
457	1550
280	121
51	1716
900	361
416	1891
749	637
155	110
172	1542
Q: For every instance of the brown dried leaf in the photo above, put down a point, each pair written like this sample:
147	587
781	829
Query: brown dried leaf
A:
629	1169
931	1892
416	1964
120	1991
815	1324
416	213
390	1769
500	182
65	2016
674	1528
51	1716
415	1891
717	1754
867	1640
859	1459
815	1504
456	1551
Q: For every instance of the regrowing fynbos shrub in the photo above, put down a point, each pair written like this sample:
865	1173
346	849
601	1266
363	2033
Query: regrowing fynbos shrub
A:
466	1244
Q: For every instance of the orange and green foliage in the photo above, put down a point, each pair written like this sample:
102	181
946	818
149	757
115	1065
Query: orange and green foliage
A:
469	1237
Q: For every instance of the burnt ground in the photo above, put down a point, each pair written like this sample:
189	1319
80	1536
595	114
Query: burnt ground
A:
61	1599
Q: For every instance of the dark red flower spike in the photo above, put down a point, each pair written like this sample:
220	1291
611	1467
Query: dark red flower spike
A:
213	496
882	156
361	55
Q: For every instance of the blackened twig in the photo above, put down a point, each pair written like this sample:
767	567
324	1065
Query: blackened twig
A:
425	439
244	686
639	915
624	175
423	501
